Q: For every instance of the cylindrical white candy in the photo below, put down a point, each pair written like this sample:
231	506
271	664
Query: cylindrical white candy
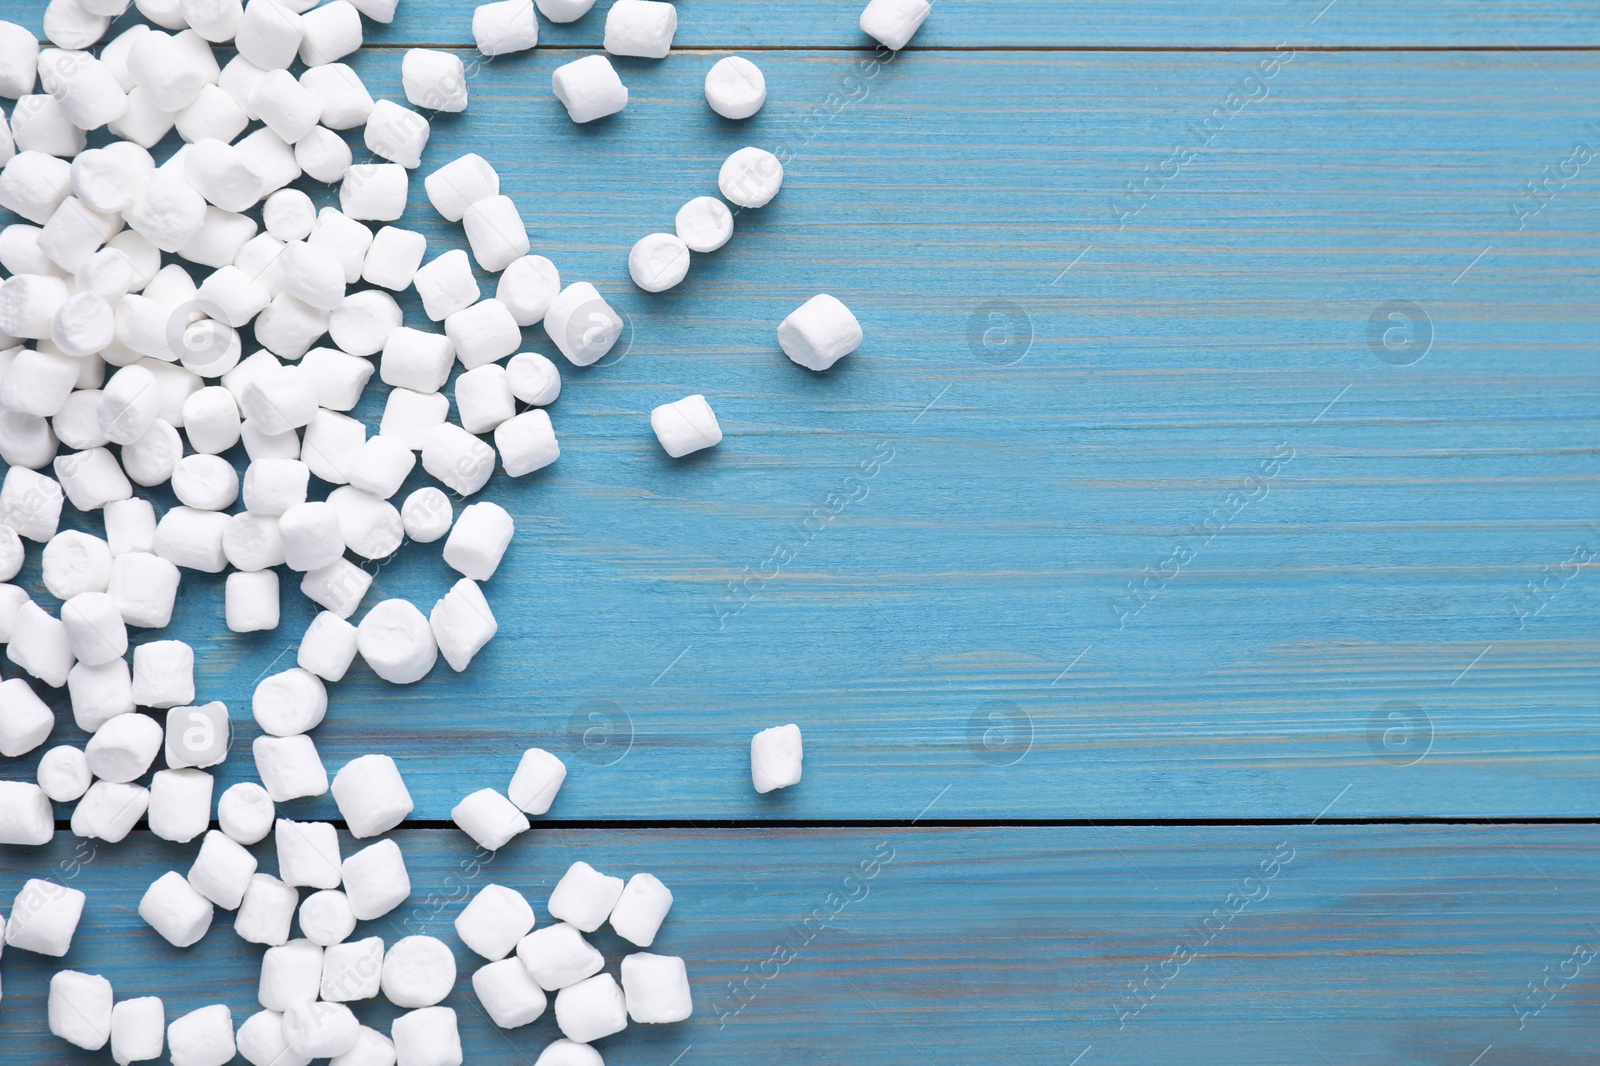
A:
44	915
145	587
94	627
350	972
99	693
338	587
446	284
776	757
374	191
537	780
393	258
168	211
819	333
509	996
489	818
83	325
381	466
346	103
266	911
308	854
130	527
371	527
108	274
79	1009
269	35
397	642
427	1037
123	749
685	426
750	177
260	1036
658	261
893	22
568	1053
163	675
202	1037
64	773
494	921
86	89
656	988
332	441
272	486
289	703
287	107
225	175
245	812
211	420
584	897
564	10
288	214
180	804
591	1009
704	224
426	515
319	1030
462	624
735	88
214	114
138	1030
222	870
481	334
527	286
526	443
371	795
461	183
129	404
533	379
205	482
339	378
495	232
327	650
252	542
396	133
332	32
192	539
582	325
25	817
311	537
483	398
459	460
415	360
92	479
589	88
640	28
363	321
418	971
640	911
251	603
375	880
74	562
174	909
479	540
19	58
434	79
504	27
40	646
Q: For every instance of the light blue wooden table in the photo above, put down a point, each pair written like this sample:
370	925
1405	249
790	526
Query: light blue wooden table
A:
1182	509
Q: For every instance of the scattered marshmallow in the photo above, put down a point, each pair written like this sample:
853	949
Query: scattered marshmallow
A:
245	813
427	1037
362	323
328	648
584	897
591	1009
326	917
332	32
495	232
163	674
393	258
589	88
375	880
314	1029
44	916
489	818
426	515
25	719
260	1037
656	988
685	426
704	224
381	466
819	333
558	956
371	795
180	804
79	1009
581	324
892	23
288	703
434	79
138	1030
308	854
173	908
504	27
63	774
352	971
750	177
462	624
775	758
266	911
533	379
289	767
658	261
123	749
640	28
495	920
569	1053
457	459
538	778
25	815
222	870
640	911
202	1037
479	540
109	811
735	88
396	133
197	737
446	285
397	642
509	995
418	971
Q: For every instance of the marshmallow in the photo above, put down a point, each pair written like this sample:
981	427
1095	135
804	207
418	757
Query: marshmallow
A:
281	398
656	988
658	261
289	703
685	426
261	1043
168	211
496	233
416	360
396	641
289	767
63	773
320	1030
202	1037
735	88
40	124
273	486
205	482
313	276
74	234
192	539
533	379
775	757
87	90
537	780
225	175
344	238
338	587
245	812
38	383
457	459
308	854
94	628
266	911
564	10
174	909
269	35
25	815
79	1009
819	333
222	870
558	957
215	114
375	881
123	749
40	646
461	183
288	214
479	540
30	503
77	424
143	124
327	650
180	804
311	537
273	155
527	286
893	22
339	378
434	79
372	1047
352	971
197	736
290	973
251	603
426	515
371	795
44	915
427	1037
216	21
381	466
145	587
462	624
509	996
483	333
569	1053
589	88
362	323
591	1009
418	971
138	1030
374	191
505	27
346	103
639	913
581	324
584	897
392	260
408	416
28	304
33	185
396	133
108	811
640	28
92	479
19	59
704	224
25	440
11	597
326	918
494	921
332	32
211	420
483	398
287	328
750	177
323	155
446	285
489	818
99	693
73	563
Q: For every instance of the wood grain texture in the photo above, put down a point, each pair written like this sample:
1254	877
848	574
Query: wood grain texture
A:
1402	945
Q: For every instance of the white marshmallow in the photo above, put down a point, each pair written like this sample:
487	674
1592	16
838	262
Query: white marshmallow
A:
332	32
143	123
38	383
658	261
108	811
527	286
40	124
28	304
537	779
202	1037
483	333
685	426
25	440
346	103
77	424
526	443
397	642
311	537
287	328
338	587
279	399
584	897
371	795
19	59
735	88
168	211
591	1009
819	333
75	562
640	28
416	360
11	597
289	703
308	854
260	1041
272	486
64	773
479	540
288	214
129	404
427	1037
408	416
25	815
174	909
509	996
344	238
79	1009
217	21
99	693
245	812
533	379
40	646
320	1030
396	133
446	285
363	321
338	378
266	911
381	466
589	88
214	114
138	1030
44	915
197	736
489	818
123	749
893	22
92	479
30	503
327	650
269	35
352	971
375	191
434	79
581	324
163	674
85	87
290	973
750	177
461	183
211	420
392	260
73	234
462	624
495	232
323	155
224	174
704	224
483	398
564	10
656	988
145	587
252	542
375	880
372	1047
288	108
33	185
251	603
273	155
457	459
130	527
426	515
505	27
569	1053
639	912
775	757
418	971
192	539
180	804
94	627
289	767
205	482
222	870
495	920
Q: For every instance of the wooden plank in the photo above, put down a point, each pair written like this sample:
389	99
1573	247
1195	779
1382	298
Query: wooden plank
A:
1394	944
962	612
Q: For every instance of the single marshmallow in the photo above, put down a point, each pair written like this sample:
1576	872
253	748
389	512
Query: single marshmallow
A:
332	32
775	757
272	486
750	177
537	779
396	133
273	155
640	28
260	1040
416	360
496	233
337	588
314	1029
40	646
446	284
462	624
222	870
74	562
457	459
308	854
331	441
639	913
216	21
375	880
327	650
346	103
280	398
434	79
581	324
205	482
79	1009
123	749
533	379
138	1030
87	90
527	287
168	211
202	1037
311	537
584	897
30	503
396	641
44	915
40	124
214	114
192	538
409	415
289	767
591	1009
658	261
819	333
94	627
893	22
489	818
370	526
197	737
483	398
289	703
589	88
211	420
656	988
381	466
483	333
352	971
461	183
418	971
145	587
130	527
427	1037
266	911
91	479
180	804
25	815
372	1047
564	10
374	191
33	185
426	515
313	276
19	59
269	35
735	88
99	693
371	795
569	1053
479	540
251	602
252	542
225	175
245	812
174	909
288	214
685	426
63	772
362	323
505	27
108	811
495	920
509	995
344	238
394	256
704	224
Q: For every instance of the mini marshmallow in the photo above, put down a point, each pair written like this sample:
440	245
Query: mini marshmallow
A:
375	881
260	1040
505	27
489	818
462	624
273	155
819	333
374	191
138	1030
77	424
226	176
479	540
533	379
288	214
495	920
30	503
28	303
392	260
245	813
408	416
370	526
197	737
735	88
63	773
381	466
290	973
434	79
123	749
656	988
216	21
38	383
145	587
108	811
269	35
19	59
320	1030
222	870
314	276
483	398
352	971
537	779
174	909
775	757
704	224
332	32
180	804
344	238
192	539
84	325
287	328
457	459
327	650
372	1047
685	426
426	515
311	537
289	767
266	911
87	90
33	185
658	261
526	443
461	183
396	133
214	114
584	897
251	602
79	1009
589	88
370	794
252	542
40	124
362	323
143	124
581	324
591	1009
750	177
92	479
527	286
308	854
130	527
280	398
495	232
416	360
25	815
44	915
99	693
273	486
287	107
427	1037
482	334
289	703
564	10
211	420
40	646
346	103
446	285
640	28
639	912
892	23
326	918
338	587
418	971
168	211
205	482
396	641
94	627
202	1037
569	1053
509	996
74	562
